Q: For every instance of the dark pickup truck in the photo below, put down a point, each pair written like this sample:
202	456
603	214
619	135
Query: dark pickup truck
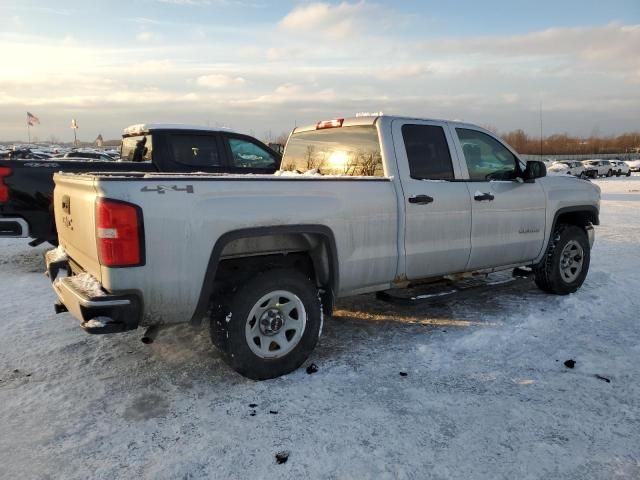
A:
26	186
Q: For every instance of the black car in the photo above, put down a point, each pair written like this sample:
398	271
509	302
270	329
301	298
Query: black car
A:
26	185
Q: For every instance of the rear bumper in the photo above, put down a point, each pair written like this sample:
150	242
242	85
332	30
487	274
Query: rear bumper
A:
13	227
81	295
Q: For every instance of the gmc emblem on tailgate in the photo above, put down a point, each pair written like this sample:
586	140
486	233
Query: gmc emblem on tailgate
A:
66	204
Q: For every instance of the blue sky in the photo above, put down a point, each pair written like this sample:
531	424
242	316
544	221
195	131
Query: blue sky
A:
261	66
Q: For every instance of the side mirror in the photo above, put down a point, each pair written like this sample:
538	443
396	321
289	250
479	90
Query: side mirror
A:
535	169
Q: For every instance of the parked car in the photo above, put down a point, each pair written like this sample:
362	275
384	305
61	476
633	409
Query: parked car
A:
26	187
620	168
23	153
634	165
598	168
385	201
567	167
91	154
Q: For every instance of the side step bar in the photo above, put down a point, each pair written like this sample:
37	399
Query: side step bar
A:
445	289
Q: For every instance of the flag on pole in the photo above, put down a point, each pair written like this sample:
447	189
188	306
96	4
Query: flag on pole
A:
74	123
32	119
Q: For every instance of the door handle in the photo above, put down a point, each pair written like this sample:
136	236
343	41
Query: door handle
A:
480	197
420	199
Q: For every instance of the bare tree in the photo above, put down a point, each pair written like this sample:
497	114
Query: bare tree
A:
564	144
369	163
310	156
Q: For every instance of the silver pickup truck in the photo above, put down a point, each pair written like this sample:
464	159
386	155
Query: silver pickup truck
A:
360	205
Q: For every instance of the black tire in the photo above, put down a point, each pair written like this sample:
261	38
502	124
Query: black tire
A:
547	273
628	173
228	326
610	173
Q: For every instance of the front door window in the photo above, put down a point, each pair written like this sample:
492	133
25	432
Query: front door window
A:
486	158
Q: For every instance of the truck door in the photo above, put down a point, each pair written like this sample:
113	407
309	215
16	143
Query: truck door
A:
437	208
508	215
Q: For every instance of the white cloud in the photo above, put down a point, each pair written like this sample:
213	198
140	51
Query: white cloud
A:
611	45
217	80
147	36
289	89
324	60
195	3
277	54
403	71
336	22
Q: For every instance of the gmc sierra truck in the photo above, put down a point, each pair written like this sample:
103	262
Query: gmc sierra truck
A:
26	186
360	205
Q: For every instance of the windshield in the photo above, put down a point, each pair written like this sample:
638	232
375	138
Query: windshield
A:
349	151
136	149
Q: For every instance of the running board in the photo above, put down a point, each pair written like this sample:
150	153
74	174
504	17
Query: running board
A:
445	289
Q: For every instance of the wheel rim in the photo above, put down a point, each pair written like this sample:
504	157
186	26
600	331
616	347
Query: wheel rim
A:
571	261
275	324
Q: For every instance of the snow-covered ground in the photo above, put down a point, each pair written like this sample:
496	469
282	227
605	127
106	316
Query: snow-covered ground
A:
486	393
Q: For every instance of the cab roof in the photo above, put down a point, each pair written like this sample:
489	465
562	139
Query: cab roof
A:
372	119
147	127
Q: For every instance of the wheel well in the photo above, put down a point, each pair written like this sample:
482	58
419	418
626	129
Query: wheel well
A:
580	218
232	272
239	256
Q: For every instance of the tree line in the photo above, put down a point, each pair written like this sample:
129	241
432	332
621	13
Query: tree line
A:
563	144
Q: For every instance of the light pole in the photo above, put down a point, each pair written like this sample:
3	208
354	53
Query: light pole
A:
74	126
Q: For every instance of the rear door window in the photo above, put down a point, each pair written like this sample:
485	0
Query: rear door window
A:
195	150
428	152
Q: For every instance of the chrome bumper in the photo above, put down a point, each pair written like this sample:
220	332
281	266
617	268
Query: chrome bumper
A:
97	311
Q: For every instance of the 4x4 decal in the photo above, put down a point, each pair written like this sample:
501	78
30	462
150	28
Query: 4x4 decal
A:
162	189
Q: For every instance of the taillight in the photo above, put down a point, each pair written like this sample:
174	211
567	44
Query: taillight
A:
4	189
329	123
119	234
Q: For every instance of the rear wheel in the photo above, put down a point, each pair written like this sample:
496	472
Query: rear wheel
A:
610	173
271	325
566	261
629	173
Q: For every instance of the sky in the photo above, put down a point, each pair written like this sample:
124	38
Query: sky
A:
263	67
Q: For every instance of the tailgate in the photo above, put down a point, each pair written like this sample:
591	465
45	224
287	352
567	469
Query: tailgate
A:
74	200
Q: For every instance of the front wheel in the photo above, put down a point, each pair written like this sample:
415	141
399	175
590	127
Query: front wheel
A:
629	173
272	325
566	261
610	173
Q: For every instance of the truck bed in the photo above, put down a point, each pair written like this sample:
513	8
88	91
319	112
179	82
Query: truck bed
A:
184	216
